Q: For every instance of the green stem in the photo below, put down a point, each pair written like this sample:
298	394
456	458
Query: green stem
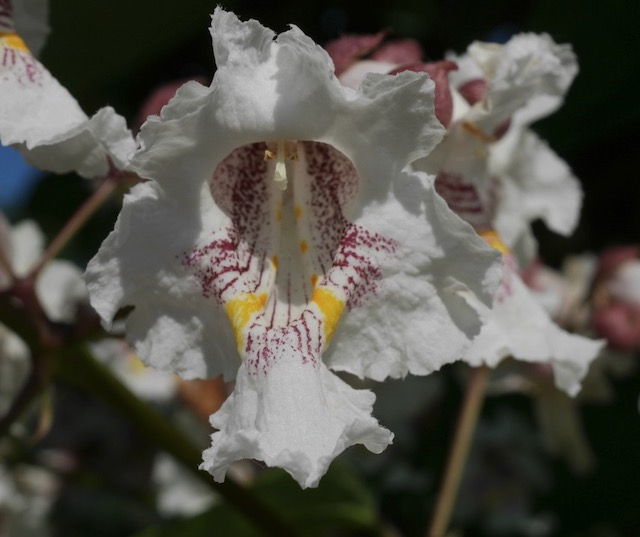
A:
78	367
459	452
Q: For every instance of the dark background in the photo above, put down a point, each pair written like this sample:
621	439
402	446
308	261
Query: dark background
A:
118	52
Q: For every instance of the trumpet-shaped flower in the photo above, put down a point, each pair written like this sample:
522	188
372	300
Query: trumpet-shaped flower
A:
506	86
498	91
279	238
41	119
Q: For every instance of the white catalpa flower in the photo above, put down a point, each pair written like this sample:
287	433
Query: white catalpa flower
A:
499	89
279	238
41	119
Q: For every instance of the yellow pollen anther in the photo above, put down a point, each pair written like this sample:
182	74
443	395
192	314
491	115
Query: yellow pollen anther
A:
331	307
493	239
314	280
297	212
275	261
13	41
303	246
241	310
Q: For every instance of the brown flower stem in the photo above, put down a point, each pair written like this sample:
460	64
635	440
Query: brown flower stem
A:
460	449
32	387
86	210
5	265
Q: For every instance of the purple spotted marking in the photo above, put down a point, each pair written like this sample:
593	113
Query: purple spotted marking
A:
345	257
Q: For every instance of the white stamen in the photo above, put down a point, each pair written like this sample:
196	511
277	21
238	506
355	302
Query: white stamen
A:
280	175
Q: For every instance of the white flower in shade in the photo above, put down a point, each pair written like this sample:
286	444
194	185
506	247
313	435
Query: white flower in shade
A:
178	492
279	238
532	183
519	326
490	90
41	119
498	91
500	88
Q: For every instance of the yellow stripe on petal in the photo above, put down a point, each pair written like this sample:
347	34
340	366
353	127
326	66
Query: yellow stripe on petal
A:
13	41
331	308
473	129
493	239
241	310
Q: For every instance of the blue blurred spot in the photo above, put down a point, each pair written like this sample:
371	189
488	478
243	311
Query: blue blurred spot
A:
17	179
502	33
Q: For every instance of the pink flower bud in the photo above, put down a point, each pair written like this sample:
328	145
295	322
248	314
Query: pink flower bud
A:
474	90
619	323
348	49
613	258
439	72
399	51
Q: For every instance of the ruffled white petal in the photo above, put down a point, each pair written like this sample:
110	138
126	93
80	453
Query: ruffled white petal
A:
297	416
529	75
419	319
266	89
518	326
534	183
45	123
173	326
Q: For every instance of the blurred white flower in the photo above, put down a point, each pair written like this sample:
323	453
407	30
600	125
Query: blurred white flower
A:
178	493
501	88
26	496
59	288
